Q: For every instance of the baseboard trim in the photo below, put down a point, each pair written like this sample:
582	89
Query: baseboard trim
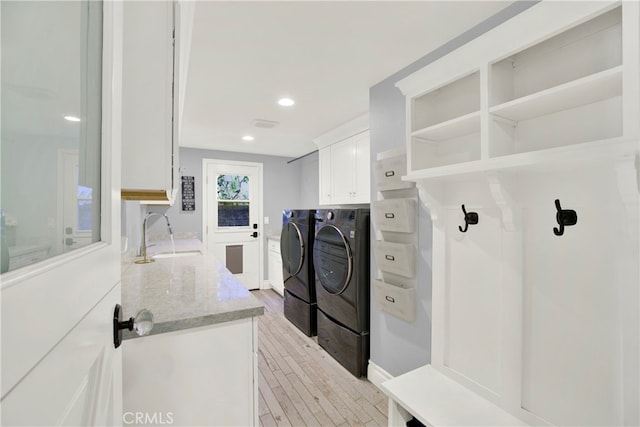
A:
377	375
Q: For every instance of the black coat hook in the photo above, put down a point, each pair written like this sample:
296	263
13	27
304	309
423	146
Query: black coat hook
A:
469	218
565	217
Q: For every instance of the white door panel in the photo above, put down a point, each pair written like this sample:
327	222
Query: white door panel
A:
59	365
73	383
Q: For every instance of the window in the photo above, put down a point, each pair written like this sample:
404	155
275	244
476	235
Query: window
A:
233	200
51	60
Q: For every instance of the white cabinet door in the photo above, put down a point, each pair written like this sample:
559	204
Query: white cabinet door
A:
149	149
362	169
275	266
343	159
324	165
204	376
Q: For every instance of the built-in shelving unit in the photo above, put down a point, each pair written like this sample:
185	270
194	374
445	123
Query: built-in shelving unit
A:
524	145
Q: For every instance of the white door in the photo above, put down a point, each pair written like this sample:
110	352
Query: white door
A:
233	209
59	364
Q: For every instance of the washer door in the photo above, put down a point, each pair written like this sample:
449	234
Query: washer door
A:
291	248
332	259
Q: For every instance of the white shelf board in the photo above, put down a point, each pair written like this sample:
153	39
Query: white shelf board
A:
459	126
595	87
533	161
436	400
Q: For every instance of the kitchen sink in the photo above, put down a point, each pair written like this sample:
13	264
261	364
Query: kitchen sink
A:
176	254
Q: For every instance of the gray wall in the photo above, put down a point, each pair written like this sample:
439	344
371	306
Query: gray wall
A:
397	346
308	175
281	184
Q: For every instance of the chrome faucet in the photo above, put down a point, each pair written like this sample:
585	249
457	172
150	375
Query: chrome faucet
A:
143	250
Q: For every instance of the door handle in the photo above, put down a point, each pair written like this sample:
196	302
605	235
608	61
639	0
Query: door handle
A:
254	234
142	324
69	241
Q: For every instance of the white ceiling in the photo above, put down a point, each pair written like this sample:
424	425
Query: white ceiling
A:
324	54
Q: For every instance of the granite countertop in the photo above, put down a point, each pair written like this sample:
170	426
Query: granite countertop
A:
184	292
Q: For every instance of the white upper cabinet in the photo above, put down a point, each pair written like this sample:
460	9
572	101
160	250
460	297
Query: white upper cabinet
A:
345	165
150	101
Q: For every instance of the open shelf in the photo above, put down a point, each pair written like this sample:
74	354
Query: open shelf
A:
535	161
593	88
459	126
450	102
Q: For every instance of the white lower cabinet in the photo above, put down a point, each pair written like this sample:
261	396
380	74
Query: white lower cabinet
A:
200	376
276	279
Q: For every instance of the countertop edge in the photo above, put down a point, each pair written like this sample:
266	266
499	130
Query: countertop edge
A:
208	320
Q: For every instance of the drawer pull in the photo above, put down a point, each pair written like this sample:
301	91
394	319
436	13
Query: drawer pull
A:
389	173
390	257
389	215
390	299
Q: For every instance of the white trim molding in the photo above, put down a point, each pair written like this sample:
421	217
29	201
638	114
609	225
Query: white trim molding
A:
377	375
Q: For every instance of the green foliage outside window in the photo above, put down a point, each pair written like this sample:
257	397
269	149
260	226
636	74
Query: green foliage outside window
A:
233	187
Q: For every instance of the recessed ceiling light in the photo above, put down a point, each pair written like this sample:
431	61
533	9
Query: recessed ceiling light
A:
248	138
286	102
72	118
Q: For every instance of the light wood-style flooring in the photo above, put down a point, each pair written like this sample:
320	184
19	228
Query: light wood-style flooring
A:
301	385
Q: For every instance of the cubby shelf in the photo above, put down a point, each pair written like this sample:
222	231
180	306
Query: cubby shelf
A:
592	88
459	126
534	161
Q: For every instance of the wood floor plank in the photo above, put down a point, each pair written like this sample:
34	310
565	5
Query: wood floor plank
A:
262	405
273	403
288	407
377	416
302	408
267	420
266	372
318	390
267	341
311	401
300	384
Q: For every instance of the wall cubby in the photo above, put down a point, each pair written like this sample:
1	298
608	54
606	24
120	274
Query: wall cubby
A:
445	126
565	90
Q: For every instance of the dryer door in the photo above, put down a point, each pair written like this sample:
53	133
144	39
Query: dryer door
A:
292	249
332	259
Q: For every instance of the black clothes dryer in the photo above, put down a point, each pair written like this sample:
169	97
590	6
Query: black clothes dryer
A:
341	262
296	245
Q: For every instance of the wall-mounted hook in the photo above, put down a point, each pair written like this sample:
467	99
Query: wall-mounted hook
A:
469	218
565	217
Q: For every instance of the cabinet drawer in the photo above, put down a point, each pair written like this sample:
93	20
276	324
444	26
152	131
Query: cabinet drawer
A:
388	173
396	300
397	258
398	215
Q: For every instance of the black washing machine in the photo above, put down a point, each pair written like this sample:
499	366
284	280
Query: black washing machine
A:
296	245
341	262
